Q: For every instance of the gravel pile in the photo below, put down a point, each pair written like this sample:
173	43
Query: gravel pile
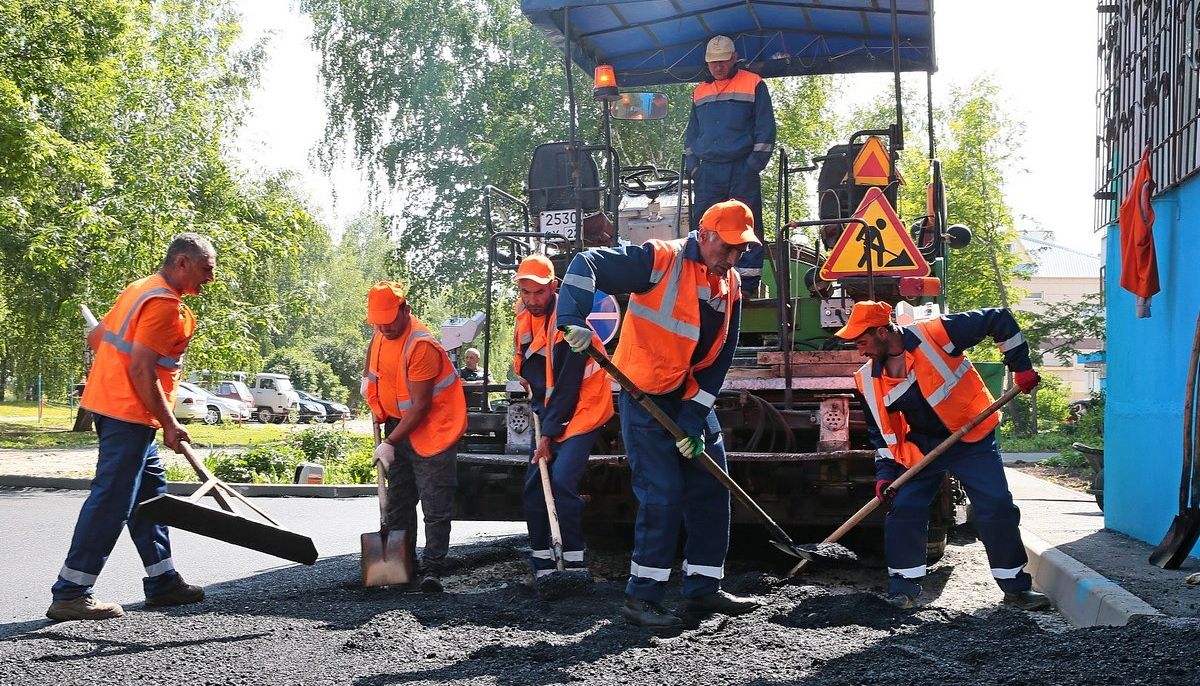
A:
316	626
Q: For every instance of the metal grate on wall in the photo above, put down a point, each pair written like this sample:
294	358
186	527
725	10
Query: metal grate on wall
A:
1148	94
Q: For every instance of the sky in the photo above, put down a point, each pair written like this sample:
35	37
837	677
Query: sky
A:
1042	54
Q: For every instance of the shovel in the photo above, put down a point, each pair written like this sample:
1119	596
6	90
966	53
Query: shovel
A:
779	537
386	560
556	544
1185	528
225	524
912	472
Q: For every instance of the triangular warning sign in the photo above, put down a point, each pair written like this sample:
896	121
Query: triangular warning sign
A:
892	252
872	164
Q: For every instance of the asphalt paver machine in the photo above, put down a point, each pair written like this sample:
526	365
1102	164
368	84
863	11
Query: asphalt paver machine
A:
796	438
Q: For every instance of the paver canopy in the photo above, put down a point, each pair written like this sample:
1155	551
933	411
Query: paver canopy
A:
651	42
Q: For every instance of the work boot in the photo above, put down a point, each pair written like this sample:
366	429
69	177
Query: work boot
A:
1027	600
180	593
431	583
83	607
901	601
649	614
719	602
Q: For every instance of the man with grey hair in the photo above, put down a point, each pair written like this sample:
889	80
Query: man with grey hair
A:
470	371
131	391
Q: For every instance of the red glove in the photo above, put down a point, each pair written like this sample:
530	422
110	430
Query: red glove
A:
1026	380
880	487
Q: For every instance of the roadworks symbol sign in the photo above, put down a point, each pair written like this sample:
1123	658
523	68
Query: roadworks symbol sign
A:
892	252
872	164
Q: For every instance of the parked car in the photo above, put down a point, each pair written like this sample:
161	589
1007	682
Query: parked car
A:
334	412
237	391
217	409
275	399
189	405
310	411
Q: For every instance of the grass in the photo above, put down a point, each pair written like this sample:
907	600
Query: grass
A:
56	433
28	410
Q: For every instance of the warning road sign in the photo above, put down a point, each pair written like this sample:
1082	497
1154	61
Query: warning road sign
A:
891	251
872	164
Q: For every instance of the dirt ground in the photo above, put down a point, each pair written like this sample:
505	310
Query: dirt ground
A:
317	626
67	462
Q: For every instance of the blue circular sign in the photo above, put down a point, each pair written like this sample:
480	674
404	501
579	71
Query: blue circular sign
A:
605	317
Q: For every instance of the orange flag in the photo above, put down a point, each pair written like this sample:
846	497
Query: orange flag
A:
1139	266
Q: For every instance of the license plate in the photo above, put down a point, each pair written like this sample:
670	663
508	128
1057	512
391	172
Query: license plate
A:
560	222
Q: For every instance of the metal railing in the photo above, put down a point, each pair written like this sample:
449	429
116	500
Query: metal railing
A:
1148	95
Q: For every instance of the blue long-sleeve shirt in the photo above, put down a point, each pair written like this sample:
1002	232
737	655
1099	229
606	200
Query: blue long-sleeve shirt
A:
568	379
732	130
966	330
627	270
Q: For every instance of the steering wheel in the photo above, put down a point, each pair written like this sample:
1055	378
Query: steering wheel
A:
648	180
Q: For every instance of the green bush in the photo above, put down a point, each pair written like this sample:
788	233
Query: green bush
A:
1066	458
356	468
322	443
274	464
307	373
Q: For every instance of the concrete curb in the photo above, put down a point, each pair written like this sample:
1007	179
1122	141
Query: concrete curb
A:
1082	595
187	488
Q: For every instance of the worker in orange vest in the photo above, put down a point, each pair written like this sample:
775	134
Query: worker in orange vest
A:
131	391
415	392
728	142
916	389
677	342
572	398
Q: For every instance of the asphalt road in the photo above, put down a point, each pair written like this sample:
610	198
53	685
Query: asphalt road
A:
37	526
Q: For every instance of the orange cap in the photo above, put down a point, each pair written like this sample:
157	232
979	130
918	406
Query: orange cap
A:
536	268
732	220
384	301
865	315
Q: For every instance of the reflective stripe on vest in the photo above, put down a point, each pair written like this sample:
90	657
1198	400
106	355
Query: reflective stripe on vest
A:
117	339
950	377
739	88
442	384
594	406
662	316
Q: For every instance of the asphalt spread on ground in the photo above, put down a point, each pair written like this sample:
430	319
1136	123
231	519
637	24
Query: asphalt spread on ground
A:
316	625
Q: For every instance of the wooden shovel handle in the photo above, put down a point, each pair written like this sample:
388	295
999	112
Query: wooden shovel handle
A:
556	543
380	478
913	471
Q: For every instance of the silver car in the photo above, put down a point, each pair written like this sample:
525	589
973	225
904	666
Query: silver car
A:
215	408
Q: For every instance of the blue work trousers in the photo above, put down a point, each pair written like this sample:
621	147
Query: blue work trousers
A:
127	472
979	469
566	471
720	181
672	492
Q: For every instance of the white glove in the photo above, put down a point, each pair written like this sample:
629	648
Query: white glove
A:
578	337
690	446
385	454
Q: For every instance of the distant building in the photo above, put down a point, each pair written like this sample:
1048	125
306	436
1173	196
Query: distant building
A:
1052	274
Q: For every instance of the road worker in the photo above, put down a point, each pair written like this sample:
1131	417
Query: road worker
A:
131	391
572	398
729	140
677	342
917	388
417	395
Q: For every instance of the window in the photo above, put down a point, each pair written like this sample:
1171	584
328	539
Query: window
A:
267	384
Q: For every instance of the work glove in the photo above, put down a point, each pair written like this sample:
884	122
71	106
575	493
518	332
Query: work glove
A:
578	337
385	454
880	487
1026	380
690	446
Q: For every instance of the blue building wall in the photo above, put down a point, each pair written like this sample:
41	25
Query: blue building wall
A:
1147	372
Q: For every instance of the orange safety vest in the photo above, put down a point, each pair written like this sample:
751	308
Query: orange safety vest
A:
109	390
739	87
950	384
662	326
1139	264
447	418
595	405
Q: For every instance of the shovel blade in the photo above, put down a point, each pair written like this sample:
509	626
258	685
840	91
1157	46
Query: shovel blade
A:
226	526
385	558
1178	542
